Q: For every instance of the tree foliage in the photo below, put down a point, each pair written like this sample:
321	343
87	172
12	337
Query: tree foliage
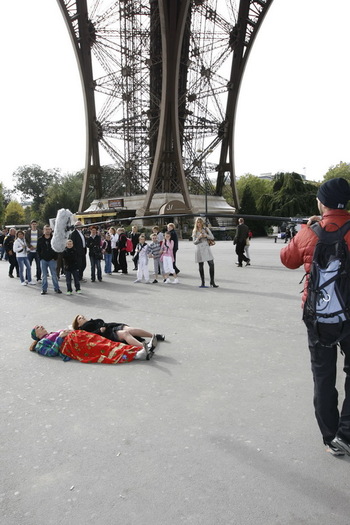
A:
248	207
291	197
257	186
14	213
33	182
63	194
2	203
339	170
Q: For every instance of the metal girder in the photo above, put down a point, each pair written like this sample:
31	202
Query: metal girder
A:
250	16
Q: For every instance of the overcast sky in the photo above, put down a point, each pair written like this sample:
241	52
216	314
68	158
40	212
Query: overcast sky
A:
293	111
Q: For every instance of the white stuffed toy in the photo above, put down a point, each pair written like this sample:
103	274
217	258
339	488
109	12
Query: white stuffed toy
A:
63	222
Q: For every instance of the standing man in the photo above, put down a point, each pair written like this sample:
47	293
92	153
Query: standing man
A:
48	259
240	240
32	235
3	234
11	256
173	237
95	253
332	198
79	243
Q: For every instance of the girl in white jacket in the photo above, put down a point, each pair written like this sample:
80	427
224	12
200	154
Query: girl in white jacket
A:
143	251
21	250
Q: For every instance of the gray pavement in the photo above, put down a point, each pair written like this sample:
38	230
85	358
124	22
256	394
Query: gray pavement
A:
217	429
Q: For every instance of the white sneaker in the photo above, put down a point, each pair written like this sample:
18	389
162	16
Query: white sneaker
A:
167	281
32	283
175	281
24	283
137	281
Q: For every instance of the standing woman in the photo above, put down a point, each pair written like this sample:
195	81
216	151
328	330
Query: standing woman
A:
21	249
114	239
200	236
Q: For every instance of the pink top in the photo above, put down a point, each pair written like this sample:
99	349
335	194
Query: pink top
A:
167	249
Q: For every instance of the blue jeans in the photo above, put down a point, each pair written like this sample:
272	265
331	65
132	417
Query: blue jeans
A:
108	263
24	263
35	256
45	265
95	265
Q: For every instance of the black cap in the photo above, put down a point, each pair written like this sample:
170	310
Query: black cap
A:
335	193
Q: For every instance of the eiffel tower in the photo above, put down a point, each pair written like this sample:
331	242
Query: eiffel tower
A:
161	80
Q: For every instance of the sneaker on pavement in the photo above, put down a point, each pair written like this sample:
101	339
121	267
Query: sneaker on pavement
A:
175	281
69	293
58	291
340	444
332	449
32	283
43	292
152	343
24	283
160	337
149	353
78	291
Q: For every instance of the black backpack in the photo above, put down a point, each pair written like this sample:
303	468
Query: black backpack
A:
328	297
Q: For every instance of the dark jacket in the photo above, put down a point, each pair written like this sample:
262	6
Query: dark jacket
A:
122	241
241	233
27	236
70	259
8	243
94	326
78	242
173	237
94	245
45	250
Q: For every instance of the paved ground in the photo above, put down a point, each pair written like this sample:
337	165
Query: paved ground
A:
217	429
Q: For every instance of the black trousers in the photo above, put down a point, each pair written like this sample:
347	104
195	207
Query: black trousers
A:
324	371
13	263
240	247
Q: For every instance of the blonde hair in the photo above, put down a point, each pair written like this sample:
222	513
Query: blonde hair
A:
195	227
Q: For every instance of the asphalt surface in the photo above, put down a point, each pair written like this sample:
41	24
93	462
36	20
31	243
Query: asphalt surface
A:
217	429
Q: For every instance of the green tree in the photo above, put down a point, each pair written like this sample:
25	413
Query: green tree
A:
258	186
14	213
291	197
65	194
33	182
248	207
340	170
2	203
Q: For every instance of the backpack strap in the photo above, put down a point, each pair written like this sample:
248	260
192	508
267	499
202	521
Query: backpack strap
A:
339	233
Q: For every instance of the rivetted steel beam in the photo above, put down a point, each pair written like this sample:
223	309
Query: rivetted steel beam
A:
250	16
167	162
81	32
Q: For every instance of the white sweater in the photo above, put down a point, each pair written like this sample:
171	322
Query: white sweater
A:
20	247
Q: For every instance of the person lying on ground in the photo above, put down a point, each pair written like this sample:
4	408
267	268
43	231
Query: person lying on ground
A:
120	332
85	347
